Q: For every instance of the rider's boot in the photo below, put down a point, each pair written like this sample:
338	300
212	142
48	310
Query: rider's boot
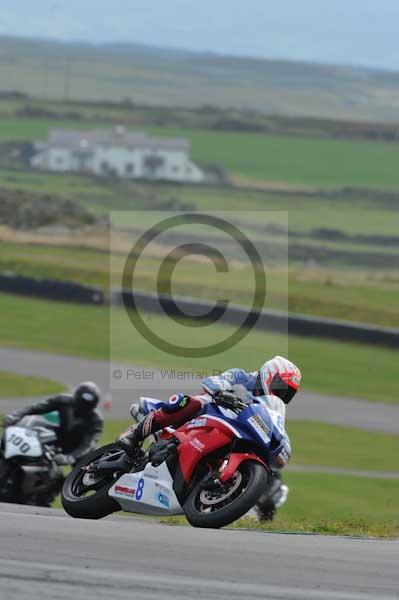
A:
131	439
179	409
273	498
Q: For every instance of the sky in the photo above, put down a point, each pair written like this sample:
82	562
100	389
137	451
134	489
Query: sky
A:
354	32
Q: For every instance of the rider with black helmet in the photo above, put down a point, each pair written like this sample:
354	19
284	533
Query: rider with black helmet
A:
81	424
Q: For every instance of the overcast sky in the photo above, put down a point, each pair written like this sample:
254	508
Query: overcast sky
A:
359	32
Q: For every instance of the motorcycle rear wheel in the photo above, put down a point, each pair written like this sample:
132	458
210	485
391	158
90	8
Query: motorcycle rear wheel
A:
75	499
217	508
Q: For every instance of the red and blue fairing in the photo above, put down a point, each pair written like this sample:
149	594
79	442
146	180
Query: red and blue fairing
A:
219	434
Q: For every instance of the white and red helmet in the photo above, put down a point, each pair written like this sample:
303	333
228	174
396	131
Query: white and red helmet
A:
280	377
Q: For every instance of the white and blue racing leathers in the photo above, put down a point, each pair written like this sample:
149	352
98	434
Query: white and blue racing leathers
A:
181	407
231	380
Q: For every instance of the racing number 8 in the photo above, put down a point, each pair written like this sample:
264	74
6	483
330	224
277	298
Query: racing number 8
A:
140	488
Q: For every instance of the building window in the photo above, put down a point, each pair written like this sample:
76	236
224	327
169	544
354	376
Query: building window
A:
152	163
104	167
129	168
59	160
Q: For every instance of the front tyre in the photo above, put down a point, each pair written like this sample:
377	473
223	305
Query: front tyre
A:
85	494
10	482
220	505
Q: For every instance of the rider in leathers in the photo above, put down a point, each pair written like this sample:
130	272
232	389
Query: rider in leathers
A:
277	382
81	424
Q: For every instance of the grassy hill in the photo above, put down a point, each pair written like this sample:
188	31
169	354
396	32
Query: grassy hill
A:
159	76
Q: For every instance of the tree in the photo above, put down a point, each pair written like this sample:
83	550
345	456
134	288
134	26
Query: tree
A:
153	162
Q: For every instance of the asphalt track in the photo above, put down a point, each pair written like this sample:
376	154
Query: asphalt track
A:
48	555
70	370
45	554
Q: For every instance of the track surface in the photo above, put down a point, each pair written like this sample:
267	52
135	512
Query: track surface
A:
70	370
45	554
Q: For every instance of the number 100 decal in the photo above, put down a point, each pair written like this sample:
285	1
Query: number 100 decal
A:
24	447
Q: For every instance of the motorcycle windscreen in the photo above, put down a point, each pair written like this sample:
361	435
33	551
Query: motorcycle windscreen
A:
53	417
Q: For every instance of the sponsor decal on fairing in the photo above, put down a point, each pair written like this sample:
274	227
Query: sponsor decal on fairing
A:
125	491
198	422
261	428
162	498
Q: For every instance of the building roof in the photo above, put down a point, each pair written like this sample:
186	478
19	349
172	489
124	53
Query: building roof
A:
88	140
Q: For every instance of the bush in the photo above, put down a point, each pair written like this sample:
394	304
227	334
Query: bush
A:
21	210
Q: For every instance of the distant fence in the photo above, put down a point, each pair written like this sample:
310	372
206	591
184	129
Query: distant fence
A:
269	320
51	289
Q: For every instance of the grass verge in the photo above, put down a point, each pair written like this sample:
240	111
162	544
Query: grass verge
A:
83	331
14	386
345	447
332	505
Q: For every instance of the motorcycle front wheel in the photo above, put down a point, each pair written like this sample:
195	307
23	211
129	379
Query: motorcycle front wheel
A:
85	493
219	505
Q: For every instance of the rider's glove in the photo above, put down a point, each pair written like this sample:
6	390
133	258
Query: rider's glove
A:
229	400
11	419
64	459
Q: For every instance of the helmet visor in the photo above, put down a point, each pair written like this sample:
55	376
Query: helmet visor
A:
282	389
88	397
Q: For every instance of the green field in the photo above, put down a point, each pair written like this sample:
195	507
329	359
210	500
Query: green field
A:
338	505
345	280
328	163
314	292
58	327
257	157
344	447
356	216
15	386
73	186
332	505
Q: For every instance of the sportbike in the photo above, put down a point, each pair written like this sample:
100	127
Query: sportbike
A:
212	469
29	472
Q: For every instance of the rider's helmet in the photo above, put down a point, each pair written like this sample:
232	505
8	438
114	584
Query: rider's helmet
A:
280	377
86	396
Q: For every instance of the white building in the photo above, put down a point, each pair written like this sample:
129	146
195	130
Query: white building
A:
116	152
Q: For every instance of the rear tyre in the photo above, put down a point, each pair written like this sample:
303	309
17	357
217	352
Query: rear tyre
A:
85	496
219	506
